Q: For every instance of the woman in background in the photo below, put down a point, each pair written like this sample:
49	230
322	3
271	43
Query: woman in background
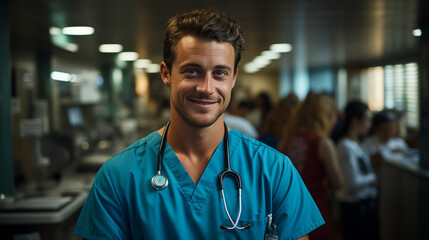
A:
306	141
279	116
358	198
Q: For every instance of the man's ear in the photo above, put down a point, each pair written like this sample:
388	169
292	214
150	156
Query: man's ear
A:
165	74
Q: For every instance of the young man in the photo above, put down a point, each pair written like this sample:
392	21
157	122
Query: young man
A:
178	196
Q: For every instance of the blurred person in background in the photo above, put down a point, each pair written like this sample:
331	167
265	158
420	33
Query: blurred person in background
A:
383	144
306	141
243	108
262	106
358	198
240	124
279	116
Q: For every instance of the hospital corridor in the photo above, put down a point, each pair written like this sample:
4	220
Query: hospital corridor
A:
277	119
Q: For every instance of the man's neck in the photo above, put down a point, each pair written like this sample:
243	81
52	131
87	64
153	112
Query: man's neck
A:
191	140
194	146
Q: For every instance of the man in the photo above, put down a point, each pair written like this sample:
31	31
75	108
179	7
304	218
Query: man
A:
134	197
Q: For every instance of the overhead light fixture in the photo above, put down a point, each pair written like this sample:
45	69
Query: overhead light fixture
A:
417	32
281	47
128	56
261	61
54	31
251	68
142	63
110	48
78	30
271	55
61	76
267	56
71	47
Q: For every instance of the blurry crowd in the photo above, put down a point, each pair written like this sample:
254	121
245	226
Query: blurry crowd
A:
338	153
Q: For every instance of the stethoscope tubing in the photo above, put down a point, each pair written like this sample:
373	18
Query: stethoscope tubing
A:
160	181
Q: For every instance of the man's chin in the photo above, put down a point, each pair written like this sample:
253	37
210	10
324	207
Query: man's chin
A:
199	119
203	123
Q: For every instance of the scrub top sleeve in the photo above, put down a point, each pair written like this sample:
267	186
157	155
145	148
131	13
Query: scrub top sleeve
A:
294	211
102	216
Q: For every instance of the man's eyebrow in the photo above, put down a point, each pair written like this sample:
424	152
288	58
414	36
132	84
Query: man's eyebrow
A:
195	65
228	68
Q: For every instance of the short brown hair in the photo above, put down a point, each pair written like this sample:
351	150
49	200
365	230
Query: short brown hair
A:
208	25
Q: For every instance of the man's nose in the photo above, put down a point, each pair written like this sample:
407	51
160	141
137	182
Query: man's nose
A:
206	85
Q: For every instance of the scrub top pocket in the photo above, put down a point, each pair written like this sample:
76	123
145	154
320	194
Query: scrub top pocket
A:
256	231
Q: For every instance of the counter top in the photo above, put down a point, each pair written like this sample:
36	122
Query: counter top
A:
51	206
410	165
29	214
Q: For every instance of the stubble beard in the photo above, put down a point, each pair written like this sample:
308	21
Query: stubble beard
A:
196	123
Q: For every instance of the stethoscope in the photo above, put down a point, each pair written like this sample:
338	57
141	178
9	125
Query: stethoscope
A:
160	181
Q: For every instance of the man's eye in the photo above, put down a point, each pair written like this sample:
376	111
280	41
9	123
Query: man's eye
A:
220	73
191	71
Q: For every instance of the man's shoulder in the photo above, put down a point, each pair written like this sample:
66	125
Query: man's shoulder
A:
253	145
246	140
134	151
150	138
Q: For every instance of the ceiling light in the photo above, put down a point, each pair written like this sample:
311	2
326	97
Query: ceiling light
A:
54	31
261	61
61	76
271	55
250	68
78	30
142	63
128	56
71	47
281	47
110	48
417	32
153	68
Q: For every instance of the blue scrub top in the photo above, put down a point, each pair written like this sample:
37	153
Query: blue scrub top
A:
123	205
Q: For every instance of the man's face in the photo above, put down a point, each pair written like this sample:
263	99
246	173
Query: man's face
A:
201	79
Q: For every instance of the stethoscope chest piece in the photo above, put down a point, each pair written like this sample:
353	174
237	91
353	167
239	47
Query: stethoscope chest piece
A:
159	182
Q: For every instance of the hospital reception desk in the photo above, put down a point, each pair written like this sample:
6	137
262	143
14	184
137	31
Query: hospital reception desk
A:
404	200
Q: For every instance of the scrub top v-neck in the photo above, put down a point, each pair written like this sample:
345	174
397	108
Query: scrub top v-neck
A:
123	205
196	194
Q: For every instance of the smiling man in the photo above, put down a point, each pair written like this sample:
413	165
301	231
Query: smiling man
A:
201	80
195	178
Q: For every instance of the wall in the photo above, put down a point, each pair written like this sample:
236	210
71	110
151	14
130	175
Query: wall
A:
252	84
322	80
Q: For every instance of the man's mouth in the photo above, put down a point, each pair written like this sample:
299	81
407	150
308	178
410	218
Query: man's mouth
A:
202	102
